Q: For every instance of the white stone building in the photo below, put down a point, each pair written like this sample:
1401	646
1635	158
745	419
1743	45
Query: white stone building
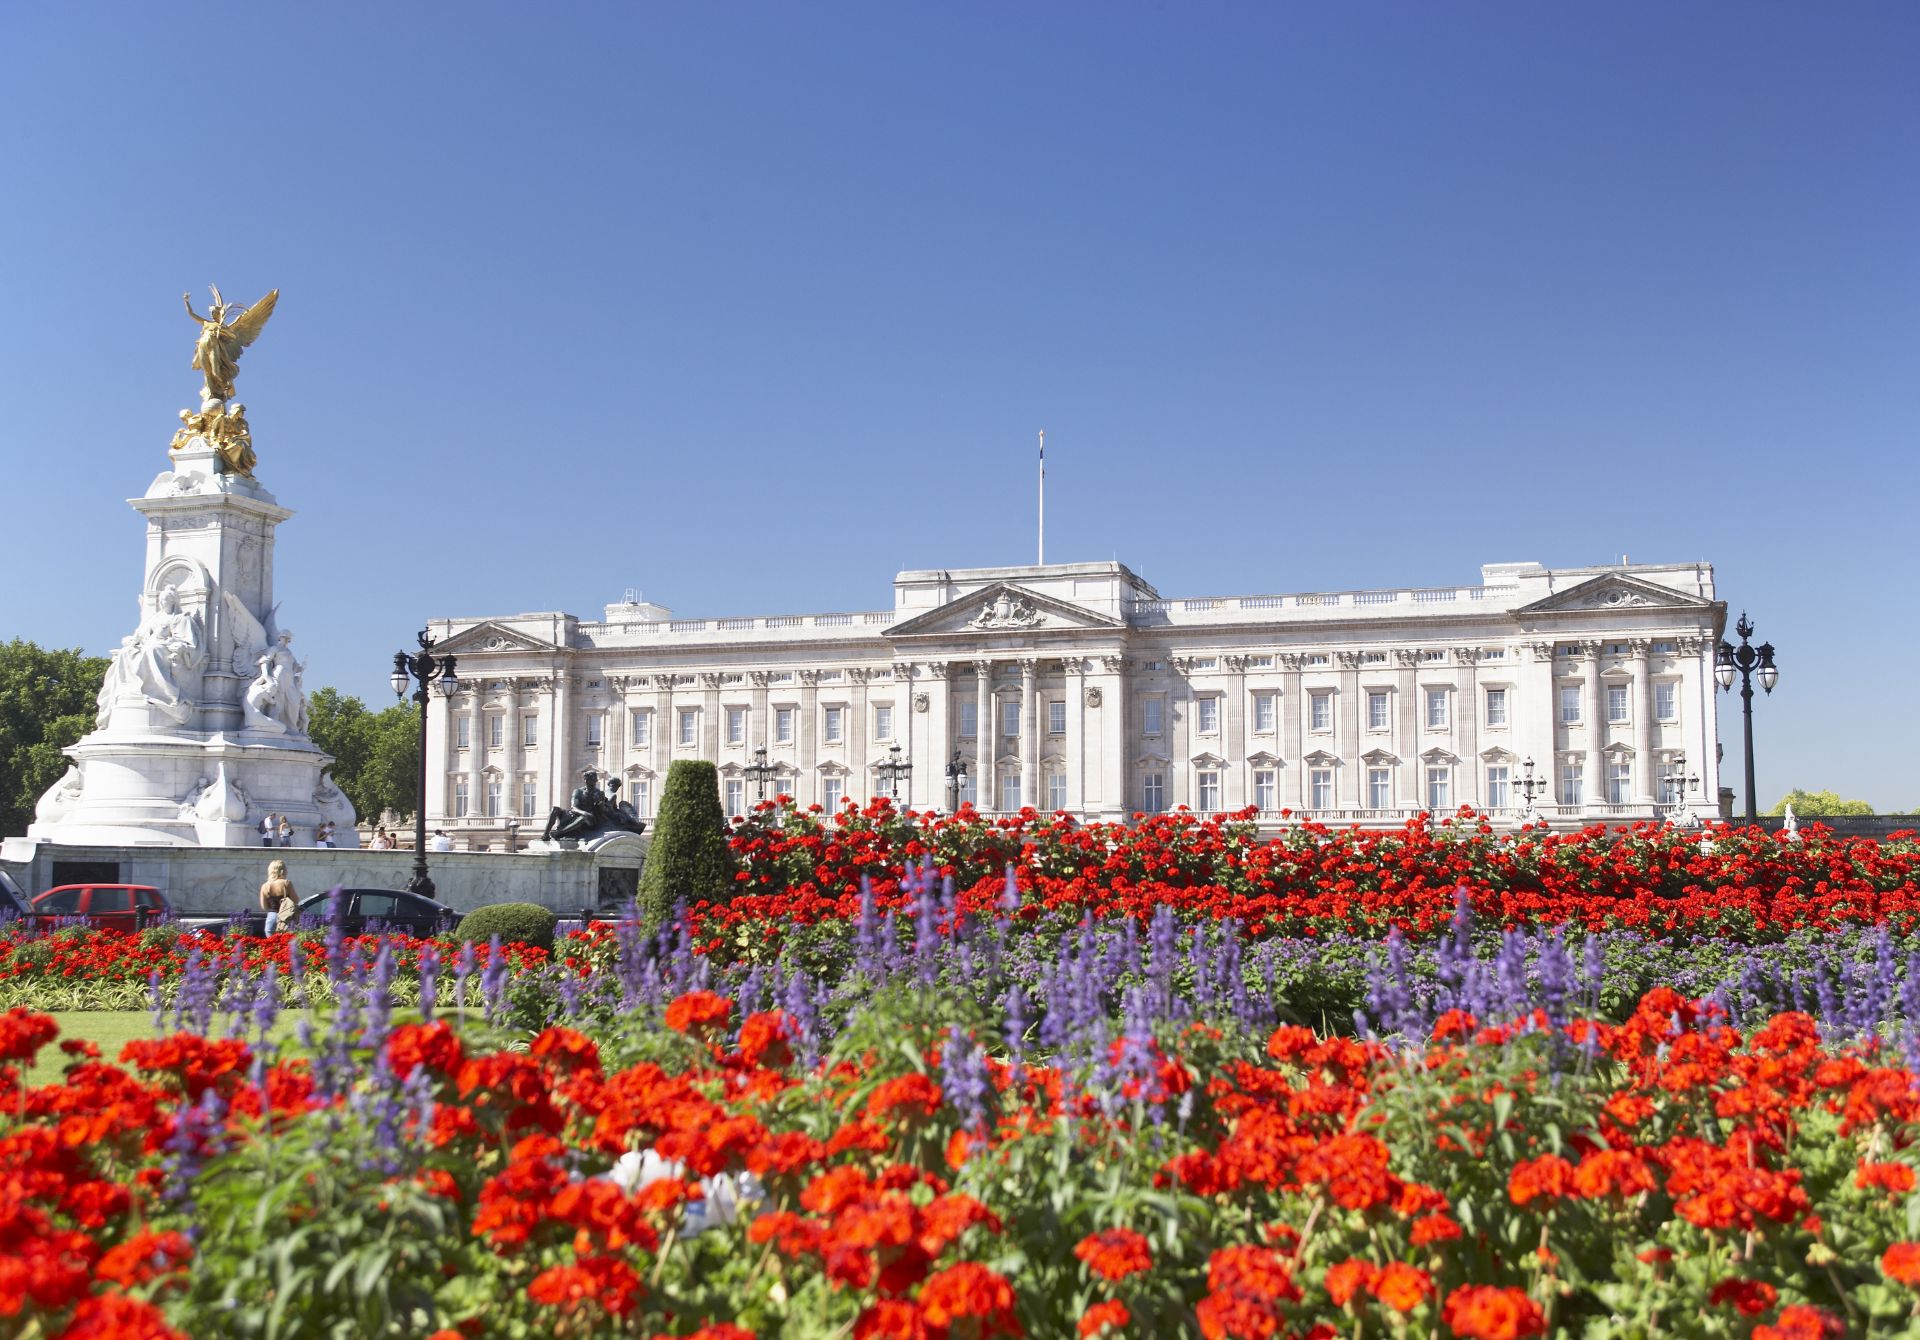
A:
1077	687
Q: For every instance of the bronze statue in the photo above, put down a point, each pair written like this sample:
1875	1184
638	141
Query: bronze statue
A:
226	329
225	430
593	810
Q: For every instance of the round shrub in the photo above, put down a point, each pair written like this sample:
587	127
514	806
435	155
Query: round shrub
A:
528	923
34	953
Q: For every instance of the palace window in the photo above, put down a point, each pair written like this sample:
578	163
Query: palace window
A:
1057	716
832	791
1056	791
1666	700
736	796
1436	709
969	721
529	798
460	798
1263	713
1320	789
1572	782
1151	710
1619	781
1209	792
1259	662
1320	711
783	725
1318	658
1153	793
1264	796
736	725
1010	791
497	731
970	792
835	719
1379	788
596	729
493	797
1439	790
640	796
462	732
1206	663
1206	715
1570	708
689	726
1010	717
1497	786
1496	707
1616	702
641	730
1377	710
883	721
529	732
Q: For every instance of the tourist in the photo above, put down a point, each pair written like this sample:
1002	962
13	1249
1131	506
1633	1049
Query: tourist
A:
277	898
440	842
286	831
382	840
323	835
269	829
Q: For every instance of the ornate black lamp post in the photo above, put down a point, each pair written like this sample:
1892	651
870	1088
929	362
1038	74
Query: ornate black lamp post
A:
956	780
761	771
1530	786
428	670
1680	784
893	770
1744	660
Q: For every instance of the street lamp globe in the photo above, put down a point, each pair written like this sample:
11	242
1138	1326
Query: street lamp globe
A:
1723	668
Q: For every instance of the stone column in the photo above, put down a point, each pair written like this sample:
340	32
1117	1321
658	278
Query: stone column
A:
560	741
1643	765
807	756
1116	770
540	762
613	730
1293	773
1408	793
1470	785
661	733
986	782
924	733
1074	686
1179	736
1030	733
1348	778
510	761
859	729
443	758
710	724
759	728
1593	774
476	753
1234	795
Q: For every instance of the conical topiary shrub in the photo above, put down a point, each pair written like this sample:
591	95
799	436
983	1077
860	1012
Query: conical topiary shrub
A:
688	860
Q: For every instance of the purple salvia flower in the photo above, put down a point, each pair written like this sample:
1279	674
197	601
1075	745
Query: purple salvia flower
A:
463	963
429	967
1016	1024
963	1079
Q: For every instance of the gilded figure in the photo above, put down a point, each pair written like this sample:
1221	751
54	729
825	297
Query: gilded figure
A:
226	329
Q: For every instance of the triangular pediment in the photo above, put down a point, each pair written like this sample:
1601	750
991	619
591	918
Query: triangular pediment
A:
1262	759
1615	591
1380	758
1207	760
491	637
1005	608
1320	758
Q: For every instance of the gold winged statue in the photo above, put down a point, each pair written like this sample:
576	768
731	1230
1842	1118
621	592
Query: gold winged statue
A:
226	329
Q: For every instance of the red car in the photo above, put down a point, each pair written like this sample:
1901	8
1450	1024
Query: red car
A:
114	907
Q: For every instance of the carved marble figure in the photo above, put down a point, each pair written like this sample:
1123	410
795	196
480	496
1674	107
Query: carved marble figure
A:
157	661
276	701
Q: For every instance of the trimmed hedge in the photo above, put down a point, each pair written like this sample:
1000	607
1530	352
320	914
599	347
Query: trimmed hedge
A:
689	860
526	922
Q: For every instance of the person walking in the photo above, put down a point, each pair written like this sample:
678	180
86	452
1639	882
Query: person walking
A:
277	898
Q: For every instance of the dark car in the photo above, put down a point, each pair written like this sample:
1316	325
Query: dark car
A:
367	911
110	907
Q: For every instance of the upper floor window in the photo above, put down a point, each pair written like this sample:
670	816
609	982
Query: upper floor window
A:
1666	700
1320	711
1056	790
1572	782
1320	789
1259	662
1496	707
529	731
1616	702
1619	782
689	725
835	720
1153	792
1498	788
596	729
1436	709
1010	720
736	725
1318	658
783	725
462	732
1263	713
642	729
832	791
1379	788
1263	790
1209	791
1206	663
969	720
1377	710
736	796
883	721
1439	790
1151	712
496	731
1569	709
1057	716
1206	713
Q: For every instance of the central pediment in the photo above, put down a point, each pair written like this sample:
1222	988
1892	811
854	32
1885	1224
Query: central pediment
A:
491	636
1616	591
1005	607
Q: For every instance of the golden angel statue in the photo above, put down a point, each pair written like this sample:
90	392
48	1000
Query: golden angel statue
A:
226	329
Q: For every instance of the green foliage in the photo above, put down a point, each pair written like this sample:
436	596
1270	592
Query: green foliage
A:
526	922
376	755
1819	805
689	860
160	937
47	702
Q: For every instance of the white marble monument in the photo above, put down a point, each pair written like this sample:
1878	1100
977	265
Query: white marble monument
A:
202	722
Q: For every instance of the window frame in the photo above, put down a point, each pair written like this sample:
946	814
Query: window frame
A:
1440	697
1266	712
1206	714
1319	705
1487	711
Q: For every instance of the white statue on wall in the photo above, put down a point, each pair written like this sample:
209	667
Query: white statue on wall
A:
158	660
276	700
59	798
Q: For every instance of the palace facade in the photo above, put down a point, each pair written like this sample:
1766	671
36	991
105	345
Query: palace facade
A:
1078	687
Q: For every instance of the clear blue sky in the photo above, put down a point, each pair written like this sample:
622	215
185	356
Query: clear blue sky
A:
750	305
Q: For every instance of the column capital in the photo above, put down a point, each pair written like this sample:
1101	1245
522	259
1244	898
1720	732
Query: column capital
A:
1113	665
1542	652
1073	667
983	668
1234	664
1291	660
903	670
1640	648
858	674
710	679
939	669
1349	660
1465	655
810	678
1029	666
759	678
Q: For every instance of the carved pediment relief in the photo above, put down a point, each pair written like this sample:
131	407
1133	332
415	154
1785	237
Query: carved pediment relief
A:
1380	758
1207	760
490	636
1320	758
1437	757
1498	755
1615	591
1004	607
1264	759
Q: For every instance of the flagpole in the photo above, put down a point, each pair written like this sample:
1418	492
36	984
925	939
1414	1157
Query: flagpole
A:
1042	557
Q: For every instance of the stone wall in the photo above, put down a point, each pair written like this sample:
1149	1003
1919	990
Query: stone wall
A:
227	879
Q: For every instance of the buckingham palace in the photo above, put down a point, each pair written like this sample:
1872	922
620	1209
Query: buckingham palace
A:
1077	687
